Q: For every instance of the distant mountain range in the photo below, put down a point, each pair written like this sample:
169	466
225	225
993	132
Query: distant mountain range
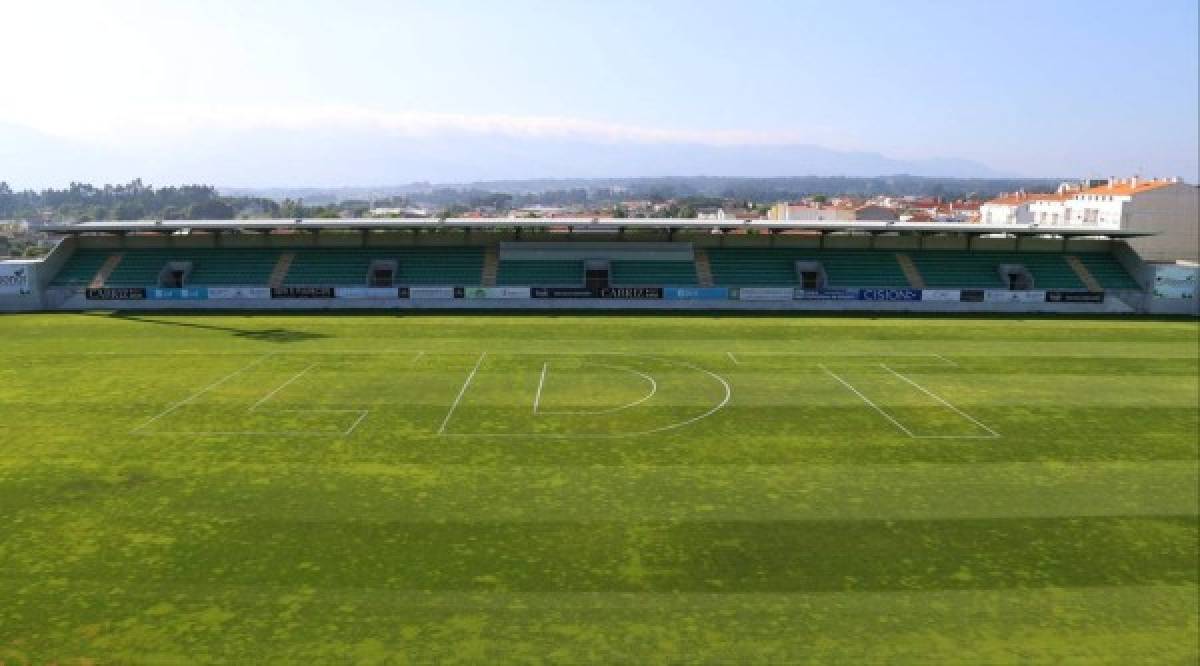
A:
251	161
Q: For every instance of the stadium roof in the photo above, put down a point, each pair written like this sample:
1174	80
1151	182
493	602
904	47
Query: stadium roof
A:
573	224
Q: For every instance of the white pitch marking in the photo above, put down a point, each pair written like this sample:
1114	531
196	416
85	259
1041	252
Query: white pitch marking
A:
867	400
357	421
679	424
416	358
537	397
948	361
461	393
942	400
733	358
206	389
899	355
609	410
279	388
254	433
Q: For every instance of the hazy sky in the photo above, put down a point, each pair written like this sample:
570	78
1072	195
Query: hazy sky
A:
1032	88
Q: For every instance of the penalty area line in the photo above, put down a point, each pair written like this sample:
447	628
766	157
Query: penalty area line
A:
537	397
279	388
176	405
867	400
956	410
461	392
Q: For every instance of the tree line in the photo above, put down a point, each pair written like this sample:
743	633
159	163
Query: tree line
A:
81	202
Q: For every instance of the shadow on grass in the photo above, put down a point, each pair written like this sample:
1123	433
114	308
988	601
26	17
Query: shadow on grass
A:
281	335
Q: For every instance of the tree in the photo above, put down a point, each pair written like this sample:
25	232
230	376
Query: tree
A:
215	209
129	210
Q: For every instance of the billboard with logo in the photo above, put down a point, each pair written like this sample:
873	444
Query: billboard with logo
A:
1176	281
888	294
497	292
15	279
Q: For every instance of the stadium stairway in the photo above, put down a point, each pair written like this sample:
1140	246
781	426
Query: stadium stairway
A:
106	269
1085	276
1107	270
910	271
491	265
282	266
703	268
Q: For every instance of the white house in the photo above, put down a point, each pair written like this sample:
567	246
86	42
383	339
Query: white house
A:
1025	208
1166	206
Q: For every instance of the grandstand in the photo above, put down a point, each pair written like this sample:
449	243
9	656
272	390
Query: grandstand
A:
590	263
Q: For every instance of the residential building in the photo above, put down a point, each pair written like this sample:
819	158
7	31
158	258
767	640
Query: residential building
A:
815	212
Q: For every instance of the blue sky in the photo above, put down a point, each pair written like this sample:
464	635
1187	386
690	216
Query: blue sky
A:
1030	88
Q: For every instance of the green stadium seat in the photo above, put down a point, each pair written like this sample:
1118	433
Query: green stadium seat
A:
442	266
641	273
1107	270
533	272
80	268
770	267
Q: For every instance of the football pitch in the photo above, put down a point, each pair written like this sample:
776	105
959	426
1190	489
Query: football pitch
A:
597	489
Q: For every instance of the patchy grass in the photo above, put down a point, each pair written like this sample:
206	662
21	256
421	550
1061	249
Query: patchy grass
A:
376	489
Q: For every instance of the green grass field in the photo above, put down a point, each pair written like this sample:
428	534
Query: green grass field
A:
379	489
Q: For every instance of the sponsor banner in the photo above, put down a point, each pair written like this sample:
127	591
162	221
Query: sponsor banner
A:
826	294
562	292
302	292
1005	296
623	293
1074	297
1174	288
433	292
695	293
366	292
971	296
882	294
115	294
15	279
941	294
1176	281
763	293
239	293
183	294
639	293
497	292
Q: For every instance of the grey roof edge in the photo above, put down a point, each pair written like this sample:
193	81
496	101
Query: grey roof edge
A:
577	224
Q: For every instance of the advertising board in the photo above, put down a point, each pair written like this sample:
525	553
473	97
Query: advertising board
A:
940	294
431	292
183	294
762	293
561	292
696	293
1006	296
301	292
15	279
1074	297
239	293
366	292
497	292
826	294
115	293
629	293
638	293
889	294
1176	281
